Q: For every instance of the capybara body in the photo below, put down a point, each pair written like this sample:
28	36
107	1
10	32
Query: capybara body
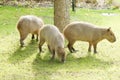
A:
88	32
54	39
29	24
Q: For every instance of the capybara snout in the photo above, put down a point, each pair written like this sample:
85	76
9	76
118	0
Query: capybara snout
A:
61	54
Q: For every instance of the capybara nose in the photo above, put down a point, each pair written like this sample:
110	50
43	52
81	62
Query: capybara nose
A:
113	40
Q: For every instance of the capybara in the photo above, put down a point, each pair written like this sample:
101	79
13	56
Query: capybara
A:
54	39
84	31
29	24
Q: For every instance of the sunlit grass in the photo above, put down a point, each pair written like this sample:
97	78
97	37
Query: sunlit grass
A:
27	64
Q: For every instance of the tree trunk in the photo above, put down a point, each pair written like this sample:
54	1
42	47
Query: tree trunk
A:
61	13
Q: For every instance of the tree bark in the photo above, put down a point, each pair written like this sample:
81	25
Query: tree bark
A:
61	13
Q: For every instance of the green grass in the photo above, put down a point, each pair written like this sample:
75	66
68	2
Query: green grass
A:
26	64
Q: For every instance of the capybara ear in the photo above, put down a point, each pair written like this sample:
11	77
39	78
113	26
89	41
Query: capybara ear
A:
109	29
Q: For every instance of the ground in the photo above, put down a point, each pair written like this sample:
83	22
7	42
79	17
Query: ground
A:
27	64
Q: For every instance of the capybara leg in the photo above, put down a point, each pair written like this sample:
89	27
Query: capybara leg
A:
33	36
37	37
40	45
70	46
53	54
73	49
89	49
49	48
22	37
95	47
21	42
40	48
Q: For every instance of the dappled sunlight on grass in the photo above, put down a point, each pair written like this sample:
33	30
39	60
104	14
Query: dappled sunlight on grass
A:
8	43
80	66
27	63
12	61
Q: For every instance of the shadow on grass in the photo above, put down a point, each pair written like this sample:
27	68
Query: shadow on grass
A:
23	52
47	67
90	61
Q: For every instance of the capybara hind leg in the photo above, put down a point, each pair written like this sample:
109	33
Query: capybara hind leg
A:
33	36
40	45
95	48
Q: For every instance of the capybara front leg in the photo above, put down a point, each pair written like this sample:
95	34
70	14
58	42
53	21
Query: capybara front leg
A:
73	49
49	48
40	45
33	36
22	37
40	48
70	47
21	42
95	48
37	37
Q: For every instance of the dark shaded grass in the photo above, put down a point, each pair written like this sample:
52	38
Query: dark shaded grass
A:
23	52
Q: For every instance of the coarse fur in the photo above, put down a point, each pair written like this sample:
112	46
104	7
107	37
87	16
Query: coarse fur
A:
88	32
29	24
54	39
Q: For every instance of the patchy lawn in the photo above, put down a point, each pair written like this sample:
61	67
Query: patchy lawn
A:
26	64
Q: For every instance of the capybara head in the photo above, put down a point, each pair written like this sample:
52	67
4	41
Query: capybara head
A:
61	54
110	35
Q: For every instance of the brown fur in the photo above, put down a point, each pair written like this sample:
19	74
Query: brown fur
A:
90	33
54	39
28	24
